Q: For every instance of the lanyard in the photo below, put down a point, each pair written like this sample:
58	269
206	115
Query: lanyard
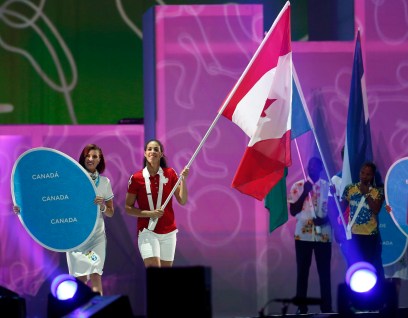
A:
311	203
360	205
146	176
95	177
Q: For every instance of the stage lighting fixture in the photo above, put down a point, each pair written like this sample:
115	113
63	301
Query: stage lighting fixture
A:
361	277
64	287
67	294
11	304
363	291
69	297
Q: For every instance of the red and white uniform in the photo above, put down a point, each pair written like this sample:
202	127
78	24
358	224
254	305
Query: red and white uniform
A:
137	186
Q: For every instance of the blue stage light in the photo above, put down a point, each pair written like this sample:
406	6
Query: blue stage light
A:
67	293
71	298
64	287
361	277
364	291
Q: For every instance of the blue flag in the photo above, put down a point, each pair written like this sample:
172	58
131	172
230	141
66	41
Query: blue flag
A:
276	199
300	119
358	147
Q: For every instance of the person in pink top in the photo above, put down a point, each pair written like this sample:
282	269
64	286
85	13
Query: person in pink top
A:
148	189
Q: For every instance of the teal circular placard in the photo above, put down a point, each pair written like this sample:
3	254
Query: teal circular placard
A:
394	242
55	195
396	193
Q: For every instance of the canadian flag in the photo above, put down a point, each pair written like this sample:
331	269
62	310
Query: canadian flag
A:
260	104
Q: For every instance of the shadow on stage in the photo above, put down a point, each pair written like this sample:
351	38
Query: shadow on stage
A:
402	313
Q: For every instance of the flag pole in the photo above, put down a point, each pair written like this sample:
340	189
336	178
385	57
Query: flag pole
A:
300	160
296	79
153	221
304	174
253	59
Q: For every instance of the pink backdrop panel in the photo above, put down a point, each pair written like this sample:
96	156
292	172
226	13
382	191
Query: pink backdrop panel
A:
26	267
200	56
201	52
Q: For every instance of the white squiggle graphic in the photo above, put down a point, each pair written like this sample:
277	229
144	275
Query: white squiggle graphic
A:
206	167
189	43
226	237
398	141
25	22
202	56
232	30
217	66
180	89
378	11
129	22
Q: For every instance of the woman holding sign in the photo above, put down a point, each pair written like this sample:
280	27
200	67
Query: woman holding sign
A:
149	188
87	262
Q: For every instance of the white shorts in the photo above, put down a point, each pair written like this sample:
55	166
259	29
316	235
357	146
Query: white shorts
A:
157	245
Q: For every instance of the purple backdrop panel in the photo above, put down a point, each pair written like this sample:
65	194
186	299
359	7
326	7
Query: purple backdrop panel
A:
24	264
384	21
201	52
26	267
197	65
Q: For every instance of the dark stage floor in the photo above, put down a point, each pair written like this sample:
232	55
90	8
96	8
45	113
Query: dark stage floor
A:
402	313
